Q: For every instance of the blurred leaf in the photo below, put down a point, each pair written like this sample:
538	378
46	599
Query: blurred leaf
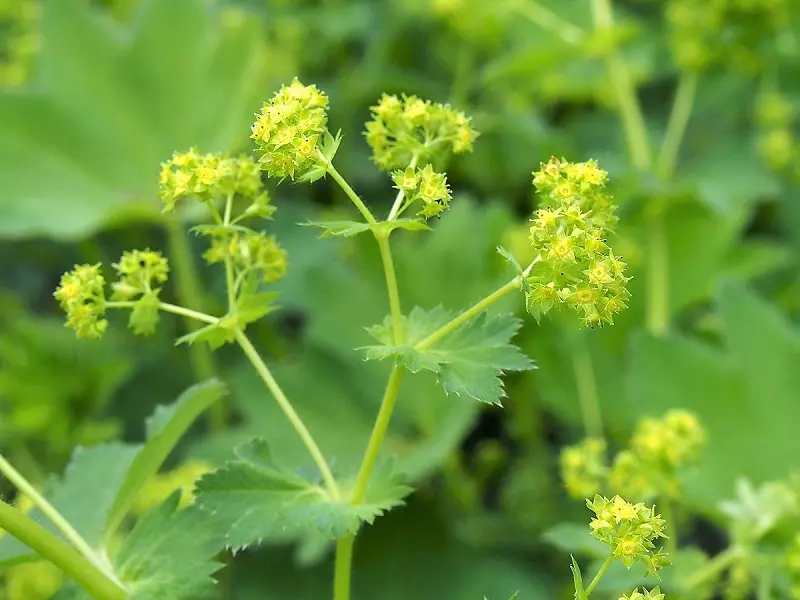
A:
574	538
258	500
170	554
164	429
81	148
470	360
84	496
744	394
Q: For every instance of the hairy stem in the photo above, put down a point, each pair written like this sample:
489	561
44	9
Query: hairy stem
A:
289	411
49	547
171	308
343	567
368	216
229	279
587	389
628	104
590	588
48	510
190	292
391	285
398	200
676	126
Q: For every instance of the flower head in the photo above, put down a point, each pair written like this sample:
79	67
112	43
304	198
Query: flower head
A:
583	467
674	441
425	185
289	128
81	294
250	251
402	128
654	594
568	232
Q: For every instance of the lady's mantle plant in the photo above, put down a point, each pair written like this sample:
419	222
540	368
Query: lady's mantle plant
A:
252	498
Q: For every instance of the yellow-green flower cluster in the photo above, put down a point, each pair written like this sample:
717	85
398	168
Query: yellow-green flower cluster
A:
81	295
425	185
654	594
575	266
630	530
673	441
289	129
139	272
777	143
583	468
733	32
208	177
250	252
658	449
19	43
407	127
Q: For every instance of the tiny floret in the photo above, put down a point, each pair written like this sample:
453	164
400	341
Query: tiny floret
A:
407	127
289	129
425	185
575	266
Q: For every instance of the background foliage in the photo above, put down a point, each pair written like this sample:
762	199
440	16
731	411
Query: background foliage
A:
97	94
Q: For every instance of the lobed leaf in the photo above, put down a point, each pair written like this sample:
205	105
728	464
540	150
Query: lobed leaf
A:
351	228
470	360
257	499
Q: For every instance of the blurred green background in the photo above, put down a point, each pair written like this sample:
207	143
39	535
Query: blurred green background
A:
95	94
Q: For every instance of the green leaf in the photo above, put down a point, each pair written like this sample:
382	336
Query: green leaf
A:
351	228
257	499
510	259
169	553
84	496
81	148
215	334
470	360
164	429
744	393
577	578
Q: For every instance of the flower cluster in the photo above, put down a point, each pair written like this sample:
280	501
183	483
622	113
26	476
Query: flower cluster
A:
658	449
208	177
575	266
654	594
583	468
630	530
425	185
81	295
777	144
19	43
250	251
734	32
406	128
140	272
289	129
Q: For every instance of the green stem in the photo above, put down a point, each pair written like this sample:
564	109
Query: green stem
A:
657	314
347	189
289	411
629	107
48	510
676	126
468	314
229	276
75	566
587	389
712	568
765	585
598	577
548	20
189	291
343	567
391	285
170	308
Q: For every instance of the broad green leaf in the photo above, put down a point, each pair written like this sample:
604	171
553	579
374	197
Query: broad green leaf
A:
257	499
81	148
84	496
470	360
744	393
170	554
351	228
164	429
